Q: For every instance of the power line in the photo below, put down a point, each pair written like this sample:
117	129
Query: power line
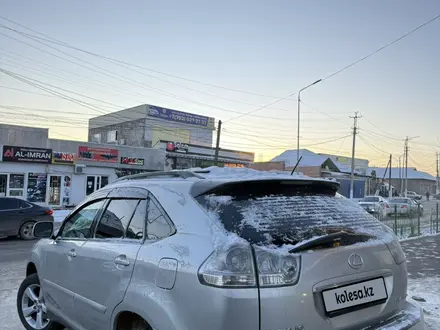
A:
110	74
50	39
383	47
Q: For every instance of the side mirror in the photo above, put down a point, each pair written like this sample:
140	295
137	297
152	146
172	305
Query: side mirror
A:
43	229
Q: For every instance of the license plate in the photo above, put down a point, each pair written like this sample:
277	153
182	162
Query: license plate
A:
355	295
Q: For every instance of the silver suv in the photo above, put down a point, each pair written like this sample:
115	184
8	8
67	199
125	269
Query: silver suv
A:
180	250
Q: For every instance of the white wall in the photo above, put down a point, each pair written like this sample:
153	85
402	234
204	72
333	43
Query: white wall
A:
78	186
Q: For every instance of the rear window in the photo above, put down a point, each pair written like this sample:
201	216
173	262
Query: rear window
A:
277	213
371	199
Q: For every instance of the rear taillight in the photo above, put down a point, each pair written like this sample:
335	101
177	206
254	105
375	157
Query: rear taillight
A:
235	267
48	212
231	267
387	206
403	206
276	268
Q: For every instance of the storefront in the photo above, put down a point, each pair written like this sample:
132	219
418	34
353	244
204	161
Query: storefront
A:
182	156
65	178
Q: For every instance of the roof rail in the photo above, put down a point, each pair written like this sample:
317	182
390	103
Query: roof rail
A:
159	174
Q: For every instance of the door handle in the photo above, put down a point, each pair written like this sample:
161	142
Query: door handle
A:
71	254
122	261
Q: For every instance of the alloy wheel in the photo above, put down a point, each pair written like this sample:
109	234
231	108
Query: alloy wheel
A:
26	231
33	307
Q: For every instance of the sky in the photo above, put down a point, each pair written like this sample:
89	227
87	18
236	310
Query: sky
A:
227	58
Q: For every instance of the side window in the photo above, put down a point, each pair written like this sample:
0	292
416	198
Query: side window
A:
4	206
80	224
116	218
136	228
157	225
23	204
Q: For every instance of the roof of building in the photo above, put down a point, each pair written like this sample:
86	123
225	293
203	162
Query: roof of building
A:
309	158
397	173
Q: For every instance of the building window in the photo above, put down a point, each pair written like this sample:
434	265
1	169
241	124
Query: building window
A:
95	182
3	184
112	136
36	187
16	185
96	138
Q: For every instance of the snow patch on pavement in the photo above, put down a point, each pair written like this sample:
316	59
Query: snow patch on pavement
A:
428	289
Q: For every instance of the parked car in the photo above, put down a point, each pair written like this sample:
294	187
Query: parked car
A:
412	195
17	217
188	252
402	206
374	204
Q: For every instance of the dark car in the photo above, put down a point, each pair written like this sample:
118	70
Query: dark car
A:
17	217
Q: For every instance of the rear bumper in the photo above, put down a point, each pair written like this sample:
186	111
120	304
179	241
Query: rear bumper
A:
410	318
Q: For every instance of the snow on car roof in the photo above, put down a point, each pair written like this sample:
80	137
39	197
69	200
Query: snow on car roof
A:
229	173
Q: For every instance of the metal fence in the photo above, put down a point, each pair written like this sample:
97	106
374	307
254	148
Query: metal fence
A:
415	223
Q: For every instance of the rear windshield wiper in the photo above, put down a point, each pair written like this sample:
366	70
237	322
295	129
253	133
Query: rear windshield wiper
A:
339	238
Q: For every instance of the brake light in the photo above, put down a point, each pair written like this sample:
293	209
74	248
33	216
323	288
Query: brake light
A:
235	267
48	212
403	206
387	206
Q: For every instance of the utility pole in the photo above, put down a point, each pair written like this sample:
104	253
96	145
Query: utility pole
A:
355	118
400	175
217	146
390	194
406	166
436	167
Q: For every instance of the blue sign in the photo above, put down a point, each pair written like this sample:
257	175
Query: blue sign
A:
180	117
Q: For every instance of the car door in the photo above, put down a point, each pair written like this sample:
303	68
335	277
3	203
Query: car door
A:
59	266
9	216
106	262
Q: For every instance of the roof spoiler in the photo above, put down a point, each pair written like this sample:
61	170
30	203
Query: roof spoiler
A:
208	186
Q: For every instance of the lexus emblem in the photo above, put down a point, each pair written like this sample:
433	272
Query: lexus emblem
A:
355	261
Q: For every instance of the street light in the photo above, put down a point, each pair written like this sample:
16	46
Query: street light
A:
299	105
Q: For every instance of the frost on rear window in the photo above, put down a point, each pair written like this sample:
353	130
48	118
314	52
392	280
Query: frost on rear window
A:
291	220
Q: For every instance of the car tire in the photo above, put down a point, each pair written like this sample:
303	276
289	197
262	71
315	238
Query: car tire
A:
26	231
29	295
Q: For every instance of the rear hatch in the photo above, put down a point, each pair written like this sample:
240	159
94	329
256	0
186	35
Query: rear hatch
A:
350	270
401	205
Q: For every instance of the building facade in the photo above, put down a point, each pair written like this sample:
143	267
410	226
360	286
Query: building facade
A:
360	165
61	172
182	156
418	181
146	125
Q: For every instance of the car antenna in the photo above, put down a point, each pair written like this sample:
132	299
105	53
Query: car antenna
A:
296	165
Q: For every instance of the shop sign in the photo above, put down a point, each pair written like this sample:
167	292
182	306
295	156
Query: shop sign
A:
177	147
98	154
67	158
180	117
132	161
24	154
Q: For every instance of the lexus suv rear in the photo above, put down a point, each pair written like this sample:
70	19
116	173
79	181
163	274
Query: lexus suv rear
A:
278	252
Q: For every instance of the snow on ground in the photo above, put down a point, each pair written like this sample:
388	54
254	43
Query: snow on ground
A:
426	291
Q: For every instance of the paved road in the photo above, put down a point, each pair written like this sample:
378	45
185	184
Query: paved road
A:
12	250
